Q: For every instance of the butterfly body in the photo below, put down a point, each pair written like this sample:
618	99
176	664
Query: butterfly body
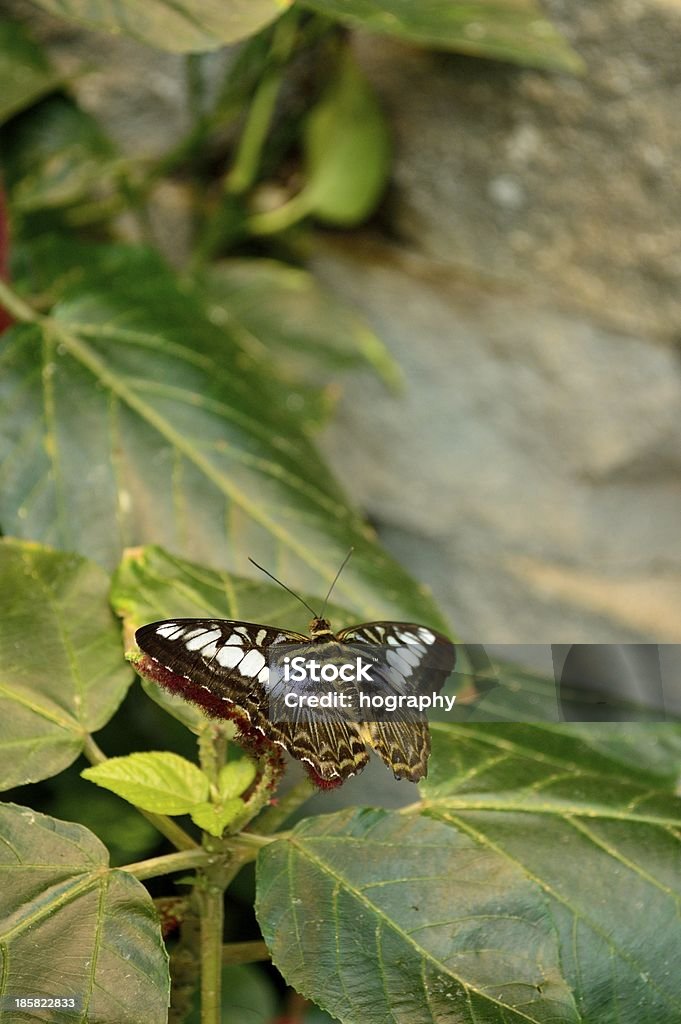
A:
223	665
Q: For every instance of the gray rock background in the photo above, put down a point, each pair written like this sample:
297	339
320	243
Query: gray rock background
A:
532	474
525	272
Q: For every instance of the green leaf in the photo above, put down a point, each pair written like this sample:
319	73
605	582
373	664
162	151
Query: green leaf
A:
652	749
347	150
128	417
378	915
71	926
514	30
214	818
56	155
600	838
190	26
61	671
25	72
236	777
281	314
152	584
155	781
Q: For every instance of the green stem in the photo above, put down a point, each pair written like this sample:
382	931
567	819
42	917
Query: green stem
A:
212	741
244	952
92	750
271	222
251	842
172	831
167	864
212	912
212	880
165	825
15	305
247	161
270	819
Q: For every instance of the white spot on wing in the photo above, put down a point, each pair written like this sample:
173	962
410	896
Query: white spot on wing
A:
235	638
426	635
229	657
167	628
264	675
262	633
195	632
408	638
396	662
203	639
209	651
252	663
412	653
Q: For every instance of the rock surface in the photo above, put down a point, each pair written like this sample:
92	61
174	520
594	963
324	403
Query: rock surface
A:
532	473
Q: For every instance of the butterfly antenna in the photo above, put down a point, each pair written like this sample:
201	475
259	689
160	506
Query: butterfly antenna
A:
288	589
335	581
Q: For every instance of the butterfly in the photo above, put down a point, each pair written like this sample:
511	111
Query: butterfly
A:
224	666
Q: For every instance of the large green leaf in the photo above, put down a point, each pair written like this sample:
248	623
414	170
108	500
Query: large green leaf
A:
177	25
383	916
24	71
61	671
380	915
507	29
601	839
128	418
71	926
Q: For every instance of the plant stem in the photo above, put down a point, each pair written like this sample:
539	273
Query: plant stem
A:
247	161
167	864
224	861
170	829
165	825
92	750
15	305
212	741
271	222
270	819
244	952
212	912
251	842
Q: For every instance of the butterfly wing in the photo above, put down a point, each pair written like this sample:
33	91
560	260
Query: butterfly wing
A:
417	660
222	665
333	748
